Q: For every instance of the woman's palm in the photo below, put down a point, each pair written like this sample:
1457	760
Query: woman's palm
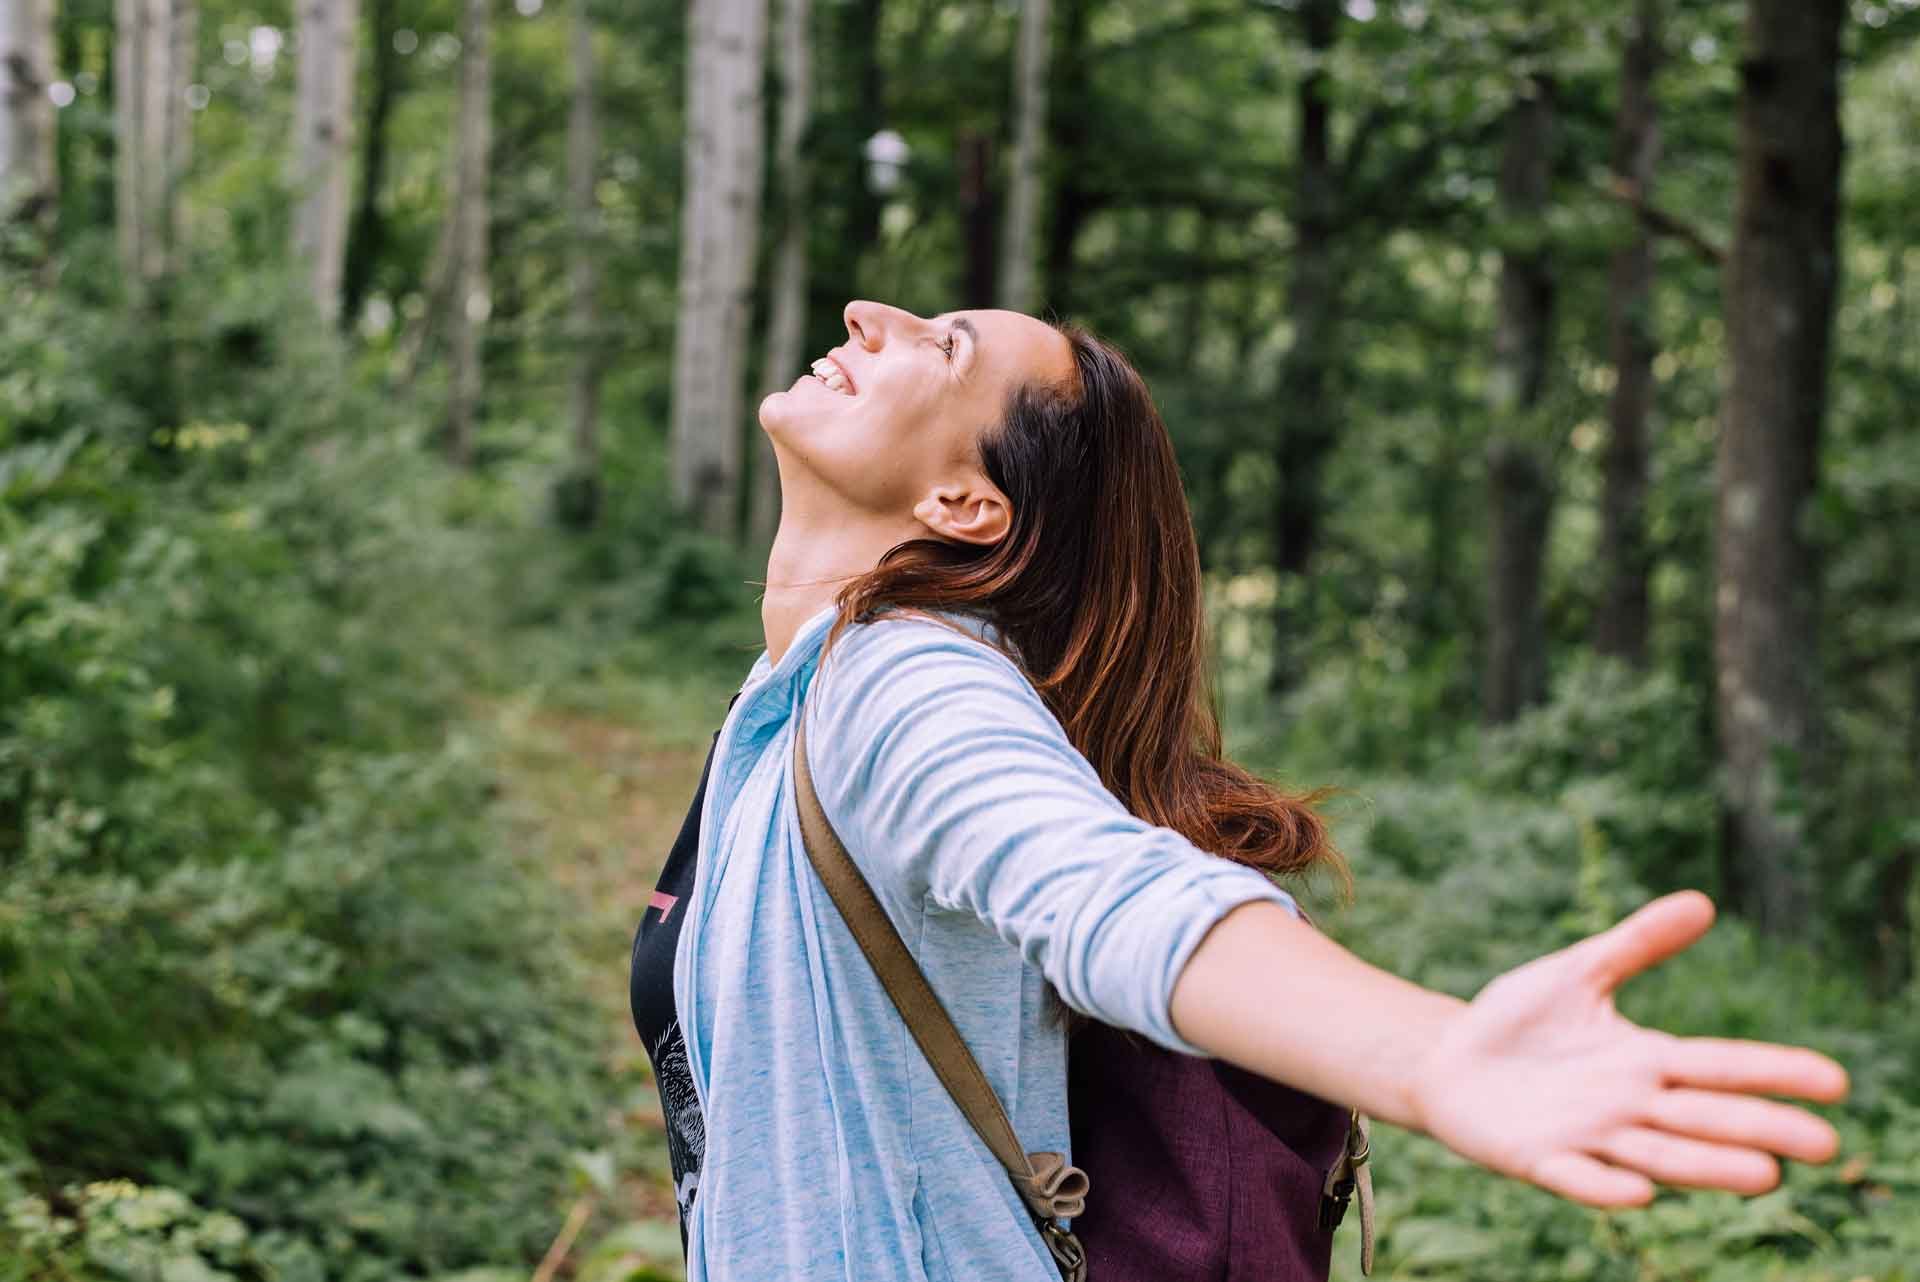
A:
1544	1080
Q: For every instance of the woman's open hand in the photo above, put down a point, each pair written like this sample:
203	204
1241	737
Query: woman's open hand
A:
1542	1079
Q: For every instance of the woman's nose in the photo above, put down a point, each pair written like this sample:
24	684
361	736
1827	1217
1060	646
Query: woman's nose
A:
868	323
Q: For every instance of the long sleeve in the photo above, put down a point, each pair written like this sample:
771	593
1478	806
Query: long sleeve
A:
956	789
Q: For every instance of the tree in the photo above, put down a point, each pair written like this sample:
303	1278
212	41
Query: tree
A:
322	145
578	499
1309	423
29	180
1071	112
1779	289
367	234
466	227
1020	230
787	325
153	62
1620	625
720	212
1519	470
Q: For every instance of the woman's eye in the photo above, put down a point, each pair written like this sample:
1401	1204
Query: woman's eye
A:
948	345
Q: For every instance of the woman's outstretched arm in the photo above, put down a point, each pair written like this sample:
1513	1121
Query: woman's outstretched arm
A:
1539	1077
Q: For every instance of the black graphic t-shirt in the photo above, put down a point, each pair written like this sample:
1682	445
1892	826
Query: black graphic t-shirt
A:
650	994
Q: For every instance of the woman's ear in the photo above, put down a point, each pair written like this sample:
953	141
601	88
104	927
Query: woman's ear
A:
972	512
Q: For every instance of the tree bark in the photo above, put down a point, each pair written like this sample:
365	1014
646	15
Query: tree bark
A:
367	233
29	175
153	63
718	222
1071	109
471	298
1780	285
1019	230
324	76
786	328
863	18
1620	626
578	499
979	220
1519	472
1309	415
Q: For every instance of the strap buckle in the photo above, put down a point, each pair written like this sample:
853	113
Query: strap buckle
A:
1068	1255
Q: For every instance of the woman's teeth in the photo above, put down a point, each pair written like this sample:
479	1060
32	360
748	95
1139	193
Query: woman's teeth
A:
829	373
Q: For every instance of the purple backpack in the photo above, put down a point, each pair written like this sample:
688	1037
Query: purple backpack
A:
1200	1170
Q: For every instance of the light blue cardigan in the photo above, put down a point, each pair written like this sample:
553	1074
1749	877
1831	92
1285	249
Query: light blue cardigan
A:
832	1150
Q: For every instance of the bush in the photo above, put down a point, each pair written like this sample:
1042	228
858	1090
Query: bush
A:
278	1000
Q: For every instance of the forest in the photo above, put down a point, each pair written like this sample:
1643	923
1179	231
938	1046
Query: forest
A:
382	510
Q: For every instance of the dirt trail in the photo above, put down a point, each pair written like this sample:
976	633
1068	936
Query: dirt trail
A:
598	802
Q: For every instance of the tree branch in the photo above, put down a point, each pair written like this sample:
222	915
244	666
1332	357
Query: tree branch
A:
1662	222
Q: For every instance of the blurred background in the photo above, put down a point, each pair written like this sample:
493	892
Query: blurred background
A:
380	509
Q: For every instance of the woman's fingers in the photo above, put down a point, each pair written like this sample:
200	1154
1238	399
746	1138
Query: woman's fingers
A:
1750	1123
1690	1163
1668	925
1587	1179
1752	1068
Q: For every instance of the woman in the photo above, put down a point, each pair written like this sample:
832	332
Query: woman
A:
984	598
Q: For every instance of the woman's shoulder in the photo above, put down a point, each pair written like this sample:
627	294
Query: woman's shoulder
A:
881	674
908	646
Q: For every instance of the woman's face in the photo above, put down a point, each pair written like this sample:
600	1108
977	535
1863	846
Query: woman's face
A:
891	419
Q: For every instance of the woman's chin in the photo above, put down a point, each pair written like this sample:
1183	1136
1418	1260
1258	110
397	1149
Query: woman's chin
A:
789	412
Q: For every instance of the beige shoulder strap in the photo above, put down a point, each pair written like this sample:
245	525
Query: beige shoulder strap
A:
1052	1189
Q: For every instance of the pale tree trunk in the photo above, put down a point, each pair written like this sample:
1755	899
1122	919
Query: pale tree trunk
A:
1519	469
470	300
322	145
1780	284
153	64
1019	234
787	324
1309	422
29	177
579	498
1620	626
718	224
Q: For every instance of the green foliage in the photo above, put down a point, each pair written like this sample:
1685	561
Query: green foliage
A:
279	1002
1457	883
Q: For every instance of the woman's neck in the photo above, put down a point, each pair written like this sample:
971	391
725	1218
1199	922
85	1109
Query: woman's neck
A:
814	556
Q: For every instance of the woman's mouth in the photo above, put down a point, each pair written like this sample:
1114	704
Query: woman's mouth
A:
828	371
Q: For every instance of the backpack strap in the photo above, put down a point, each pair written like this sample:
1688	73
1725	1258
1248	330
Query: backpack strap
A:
1051	1188
1351	1175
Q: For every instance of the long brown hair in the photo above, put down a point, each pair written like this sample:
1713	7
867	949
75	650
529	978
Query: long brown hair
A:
1096	588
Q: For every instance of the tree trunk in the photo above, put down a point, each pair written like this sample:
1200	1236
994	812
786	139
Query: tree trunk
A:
29	177
979	220
470	302
1780	284
1071	101
1019	230
577	500
324	76
786	328
718	222
1309	422
1620	626
1519	472
368	233
153	63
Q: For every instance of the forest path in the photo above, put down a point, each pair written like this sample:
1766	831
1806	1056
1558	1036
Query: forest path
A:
594	800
